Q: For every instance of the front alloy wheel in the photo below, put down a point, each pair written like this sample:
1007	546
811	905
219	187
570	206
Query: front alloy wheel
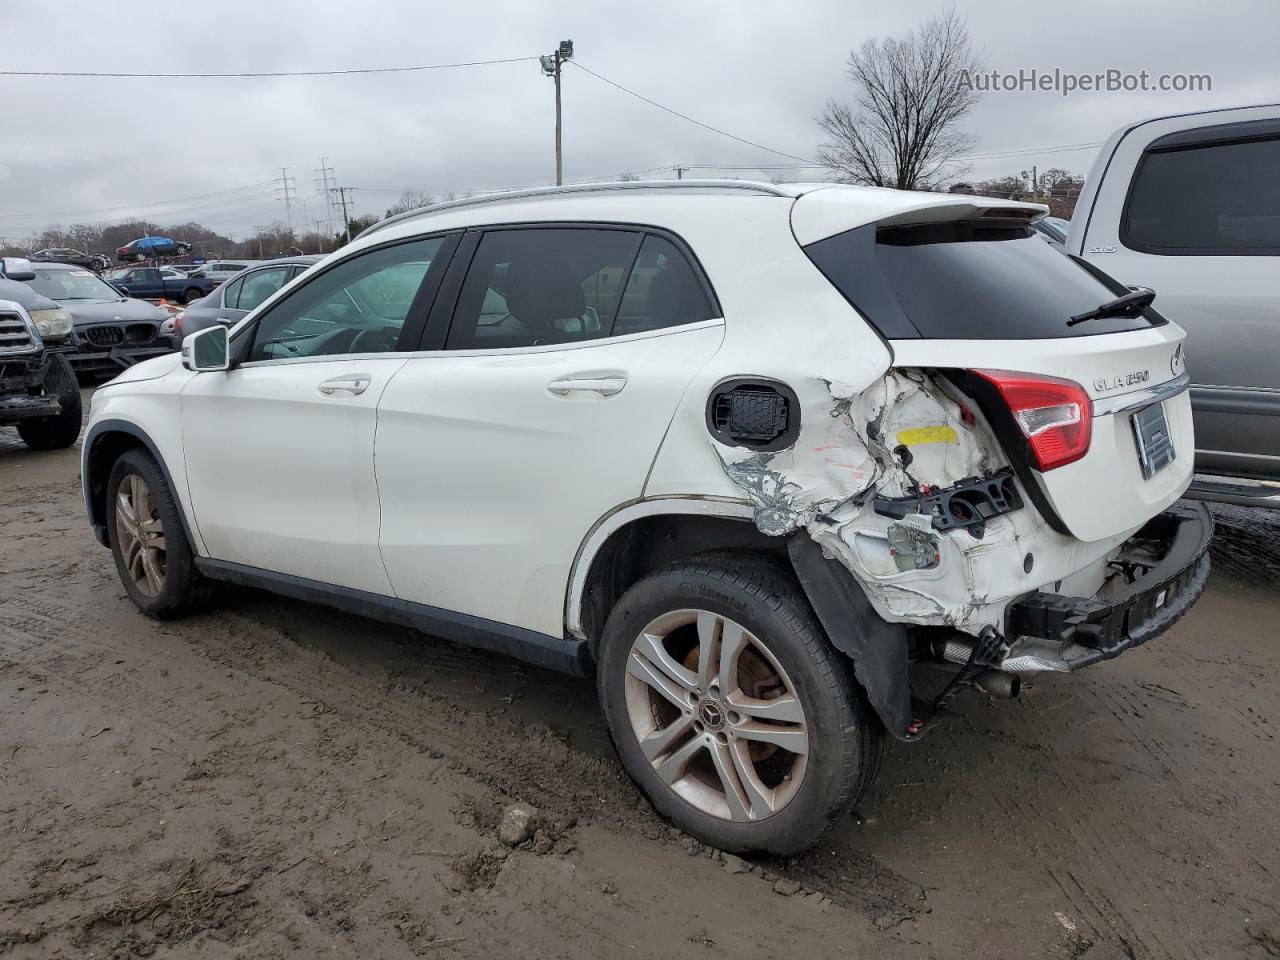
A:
141	533
716	715
152	554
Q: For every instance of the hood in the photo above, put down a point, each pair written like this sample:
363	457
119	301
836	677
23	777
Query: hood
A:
152	369
85	312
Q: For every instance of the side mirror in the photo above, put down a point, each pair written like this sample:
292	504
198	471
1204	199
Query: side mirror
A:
17	268
121	289
207	349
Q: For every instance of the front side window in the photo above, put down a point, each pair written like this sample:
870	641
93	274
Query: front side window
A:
540	286
1221	198
259	285
358	306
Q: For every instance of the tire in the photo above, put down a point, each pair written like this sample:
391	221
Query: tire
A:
191	293
804	793
61	430
164	586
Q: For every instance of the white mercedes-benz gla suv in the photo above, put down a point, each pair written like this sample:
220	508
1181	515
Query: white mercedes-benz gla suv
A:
764	460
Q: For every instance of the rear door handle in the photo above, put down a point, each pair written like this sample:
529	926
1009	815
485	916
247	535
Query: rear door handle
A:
605	386
354	385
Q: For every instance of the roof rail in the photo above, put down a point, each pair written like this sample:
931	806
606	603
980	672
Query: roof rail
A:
766	189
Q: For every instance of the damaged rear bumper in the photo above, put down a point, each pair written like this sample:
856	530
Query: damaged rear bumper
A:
1052	633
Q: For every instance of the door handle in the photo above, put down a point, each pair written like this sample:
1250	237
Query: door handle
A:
354	385
605	386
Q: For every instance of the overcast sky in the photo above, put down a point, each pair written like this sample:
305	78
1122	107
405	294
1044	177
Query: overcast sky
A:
76	150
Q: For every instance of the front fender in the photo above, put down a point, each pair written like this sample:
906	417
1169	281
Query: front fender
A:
103	441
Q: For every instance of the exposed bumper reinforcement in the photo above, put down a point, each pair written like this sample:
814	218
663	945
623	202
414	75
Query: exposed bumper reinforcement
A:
1063	634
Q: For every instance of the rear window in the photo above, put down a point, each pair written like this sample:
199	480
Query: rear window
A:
966	280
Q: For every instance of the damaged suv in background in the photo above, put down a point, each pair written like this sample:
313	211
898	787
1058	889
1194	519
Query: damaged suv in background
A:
784	468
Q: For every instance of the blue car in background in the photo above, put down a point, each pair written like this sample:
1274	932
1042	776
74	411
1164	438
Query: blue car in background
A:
147	248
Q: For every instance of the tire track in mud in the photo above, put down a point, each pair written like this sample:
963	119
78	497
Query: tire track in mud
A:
388	679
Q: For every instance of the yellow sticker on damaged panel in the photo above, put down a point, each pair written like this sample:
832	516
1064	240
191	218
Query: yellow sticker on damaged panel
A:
918	435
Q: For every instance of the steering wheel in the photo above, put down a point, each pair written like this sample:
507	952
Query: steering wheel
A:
382	340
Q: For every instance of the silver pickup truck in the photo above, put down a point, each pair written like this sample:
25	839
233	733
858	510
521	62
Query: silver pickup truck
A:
1189	206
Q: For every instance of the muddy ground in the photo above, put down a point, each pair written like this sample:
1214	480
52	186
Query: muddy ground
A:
275	779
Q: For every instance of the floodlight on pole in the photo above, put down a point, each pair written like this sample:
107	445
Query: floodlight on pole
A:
551	68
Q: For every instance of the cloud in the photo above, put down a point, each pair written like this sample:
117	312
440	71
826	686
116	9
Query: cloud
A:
759	71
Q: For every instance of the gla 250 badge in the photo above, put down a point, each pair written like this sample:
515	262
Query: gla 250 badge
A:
1134	377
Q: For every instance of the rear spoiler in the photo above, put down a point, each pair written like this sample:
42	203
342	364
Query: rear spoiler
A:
826	212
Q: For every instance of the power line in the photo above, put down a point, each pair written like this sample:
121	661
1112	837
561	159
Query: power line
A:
1032	151
259	73
134	206
682	116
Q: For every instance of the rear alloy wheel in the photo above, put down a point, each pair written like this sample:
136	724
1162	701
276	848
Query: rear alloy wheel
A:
723	728
152	554
730	709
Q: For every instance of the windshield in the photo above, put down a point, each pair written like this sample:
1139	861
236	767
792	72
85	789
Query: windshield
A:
73	285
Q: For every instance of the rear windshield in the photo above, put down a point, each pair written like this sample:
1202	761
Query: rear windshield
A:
967	280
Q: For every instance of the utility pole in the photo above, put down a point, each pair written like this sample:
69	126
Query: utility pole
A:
320	234
551	68
326	174
342	199
258	231
288	210
680	171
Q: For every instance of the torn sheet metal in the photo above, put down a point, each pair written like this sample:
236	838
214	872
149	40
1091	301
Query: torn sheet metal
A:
904	435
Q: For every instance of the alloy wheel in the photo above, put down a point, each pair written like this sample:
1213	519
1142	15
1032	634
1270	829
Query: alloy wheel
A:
141	533
716	715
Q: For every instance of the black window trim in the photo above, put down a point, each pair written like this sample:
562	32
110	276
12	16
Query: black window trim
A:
439	324
1180	141
415	320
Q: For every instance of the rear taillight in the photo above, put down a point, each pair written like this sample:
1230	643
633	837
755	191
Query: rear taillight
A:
177	321
1056	416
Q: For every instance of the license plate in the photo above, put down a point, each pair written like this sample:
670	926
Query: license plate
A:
1155	445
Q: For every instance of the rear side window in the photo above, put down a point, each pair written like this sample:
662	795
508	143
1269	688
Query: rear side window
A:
231	293
542	286
966	280
259	285
1216	199
663	291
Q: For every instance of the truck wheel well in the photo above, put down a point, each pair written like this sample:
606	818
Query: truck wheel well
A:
105	451
646	544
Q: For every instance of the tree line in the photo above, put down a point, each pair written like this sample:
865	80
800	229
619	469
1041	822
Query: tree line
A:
275	240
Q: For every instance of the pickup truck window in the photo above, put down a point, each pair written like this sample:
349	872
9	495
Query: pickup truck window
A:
1214	199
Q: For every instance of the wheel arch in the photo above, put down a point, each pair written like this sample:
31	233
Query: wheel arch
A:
104	443
645	535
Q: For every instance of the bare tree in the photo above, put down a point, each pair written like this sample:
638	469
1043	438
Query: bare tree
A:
912	93
410	200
